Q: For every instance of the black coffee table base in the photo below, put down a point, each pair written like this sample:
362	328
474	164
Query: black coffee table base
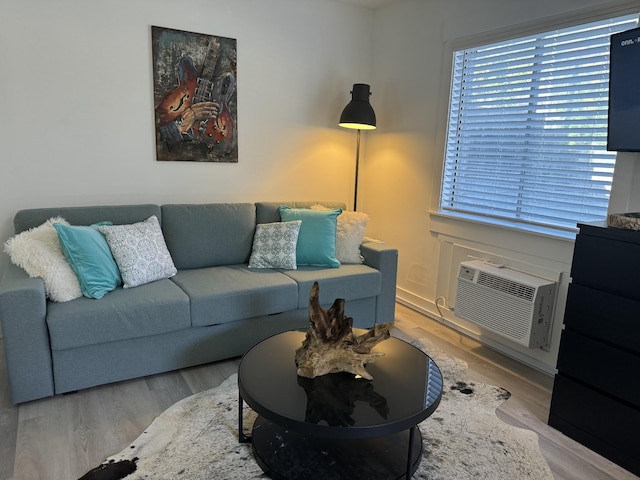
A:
285	455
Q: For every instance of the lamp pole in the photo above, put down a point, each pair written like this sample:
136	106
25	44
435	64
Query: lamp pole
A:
355	190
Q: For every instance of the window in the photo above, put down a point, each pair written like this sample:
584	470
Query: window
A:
528	128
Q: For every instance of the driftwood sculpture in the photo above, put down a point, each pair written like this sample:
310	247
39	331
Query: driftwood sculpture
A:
331	346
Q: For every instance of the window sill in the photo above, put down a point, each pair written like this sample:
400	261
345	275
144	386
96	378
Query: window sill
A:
512	227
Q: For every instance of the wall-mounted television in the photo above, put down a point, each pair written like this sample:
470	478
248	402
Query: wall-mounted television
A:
624	92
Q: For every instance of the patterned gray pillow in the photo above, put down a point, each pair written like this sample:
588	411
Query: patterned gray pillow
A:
140	252
274	245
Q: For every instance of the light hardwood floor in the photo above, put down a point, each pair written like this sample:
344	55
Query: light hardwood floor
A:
62	437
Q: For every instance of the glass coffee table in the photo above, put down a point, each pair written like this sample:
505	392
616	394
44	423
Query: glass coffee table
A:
337	426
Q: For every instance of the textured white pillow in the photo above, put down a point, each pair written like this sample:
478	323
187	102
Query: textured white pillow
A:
140	251
274	245
349	234
39	253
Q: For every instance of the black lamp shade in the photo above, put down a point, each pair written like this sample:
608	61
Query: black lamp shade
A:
358	113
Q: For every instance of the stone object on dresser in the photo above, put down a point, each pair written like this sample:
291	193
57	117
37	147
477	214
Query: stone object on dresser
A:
630	221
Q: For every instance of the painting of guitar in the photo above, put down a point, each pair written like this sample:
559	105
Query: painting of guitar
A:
196	107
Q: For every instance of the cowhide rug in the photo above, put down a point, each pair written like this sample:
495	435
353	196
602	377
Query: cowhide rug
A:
197	438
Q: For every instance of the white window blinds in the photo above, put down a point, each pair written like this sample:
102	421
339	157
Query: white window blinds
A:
528	128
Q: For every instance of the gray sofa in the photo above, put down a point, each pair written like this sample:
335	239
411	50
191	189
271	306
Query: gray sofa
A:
214	308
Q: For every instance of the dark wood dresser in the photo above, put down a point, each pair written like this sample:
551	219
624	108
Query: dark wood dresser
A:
596	392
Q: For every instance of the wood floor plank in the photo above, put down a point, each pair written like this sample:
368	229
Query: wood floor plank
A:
168	388
64	436
42	446
204	377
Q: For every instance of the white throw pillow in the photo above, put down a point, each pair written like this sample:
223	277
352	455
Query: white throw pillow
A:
274	245
38	252
140	251
349	234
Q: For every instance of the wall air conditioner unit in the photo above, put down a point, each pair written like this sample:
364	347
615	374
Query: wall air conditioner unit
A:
512	304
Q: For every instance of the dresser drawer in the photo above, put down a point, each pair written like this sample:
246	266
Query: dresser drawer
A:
600	365
603	315
597	421
609	265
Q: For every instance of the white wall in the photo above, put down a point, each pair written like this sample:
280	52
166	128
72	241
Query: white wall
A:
77	123
411	75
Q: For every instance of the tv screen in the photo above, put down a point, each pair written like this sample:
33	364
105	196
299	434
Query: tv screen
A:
624	92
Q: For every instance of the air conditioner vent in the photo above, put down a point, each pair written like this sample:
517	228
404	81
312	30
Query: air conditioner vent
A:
510	303
507	286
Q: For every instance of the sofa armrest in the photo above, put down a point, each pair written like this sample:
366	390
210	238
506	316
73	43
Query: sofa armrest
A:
385	259
23	307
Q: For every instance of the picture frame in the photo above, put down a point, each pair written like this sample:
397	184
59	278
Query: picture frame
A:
195	96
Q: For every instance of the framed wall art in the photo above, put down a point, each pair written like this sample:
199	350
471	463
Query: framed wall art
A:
195	96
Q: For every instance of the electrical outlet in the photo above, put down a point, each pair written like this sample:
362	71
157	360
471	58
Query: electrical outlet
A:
466	273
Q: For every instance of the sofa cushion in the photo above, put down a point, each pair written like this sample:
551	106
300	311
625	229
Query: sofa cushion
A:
350	282
88	254
317	238
274	245
207	235
233	292
350	234
157	307
38	252
140	251
267	212
117	214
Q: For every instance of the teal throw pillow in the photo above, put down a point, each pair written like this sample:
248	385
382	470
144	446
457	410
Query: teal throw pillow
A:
317	238
89	256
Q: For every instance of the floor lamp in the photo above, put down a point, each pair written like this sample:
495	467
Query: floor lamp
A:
359	115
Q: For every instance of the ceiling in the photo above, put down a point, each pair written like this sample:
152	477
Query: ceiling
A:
369	3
